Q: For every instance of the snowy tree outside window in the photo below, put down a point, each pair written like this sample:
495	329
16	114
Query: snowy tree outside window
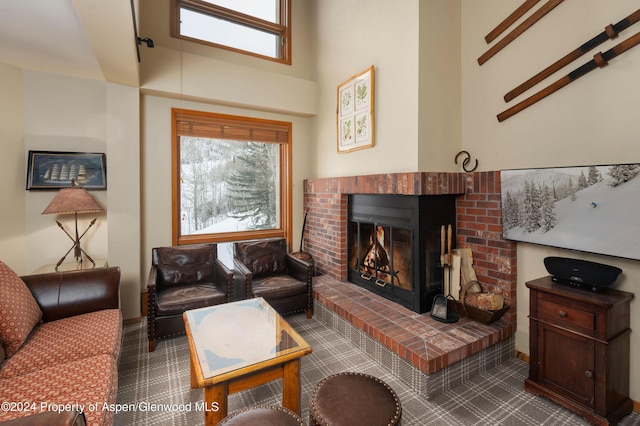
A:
231	178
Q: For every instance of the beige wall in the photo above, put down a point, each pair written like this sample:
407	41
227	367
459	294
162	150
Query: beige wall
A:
430	93
439	97
592	121
63	114
74	114
433	99
349	37
180	74
12	170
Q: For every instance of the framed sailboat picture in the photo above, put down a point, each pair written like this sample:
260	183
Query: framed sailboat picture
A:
55	170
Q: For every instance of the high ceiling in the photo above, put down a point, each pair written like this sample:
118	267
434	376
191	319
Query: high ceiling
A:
82	38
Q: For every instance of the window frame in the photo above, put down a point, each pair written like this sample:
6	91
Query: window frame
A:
282	30
286	222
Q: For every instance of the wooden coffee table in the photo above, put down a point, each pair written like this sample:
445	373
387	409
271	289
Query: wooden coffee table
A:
240	345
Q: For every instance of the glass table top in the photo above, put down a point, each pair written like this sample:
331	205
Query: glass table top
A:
239	334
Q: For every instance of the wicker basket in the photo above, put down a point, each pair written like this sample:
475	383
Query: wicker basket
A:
480	315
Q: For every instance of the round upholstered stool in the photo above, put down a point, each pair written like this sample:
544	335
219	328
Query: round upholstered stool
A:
353	399
263	415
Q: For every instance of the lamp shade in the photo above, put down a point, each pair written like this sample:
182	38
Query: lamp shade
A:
73	200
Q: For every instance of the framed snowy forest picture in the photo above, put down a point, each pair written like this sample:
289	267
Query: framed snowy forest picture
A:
593	209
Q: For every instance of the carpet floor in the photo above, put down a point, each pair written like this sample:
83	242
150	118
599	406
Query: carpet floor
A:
154	387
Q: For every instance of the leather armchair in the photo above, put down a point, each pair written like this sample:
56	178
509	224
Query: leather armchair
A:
183	278
272	273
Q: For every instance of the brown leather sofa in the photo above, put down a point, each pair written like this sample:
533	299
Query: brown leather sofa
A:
272	273
69	359
183	278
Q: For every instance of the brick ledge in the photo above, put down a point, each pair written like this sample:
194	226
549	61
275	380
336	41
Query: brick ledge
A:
423	342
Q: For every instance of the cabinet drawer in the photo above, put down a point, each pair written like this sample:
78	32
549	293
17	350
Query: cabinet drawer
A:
576	316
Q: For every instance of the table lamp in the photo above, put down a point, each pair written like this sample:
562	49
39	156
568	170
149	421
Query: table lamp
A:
74	200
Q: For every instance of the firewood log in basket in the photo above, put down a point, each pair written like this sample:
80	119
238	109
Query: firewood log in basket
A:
480	306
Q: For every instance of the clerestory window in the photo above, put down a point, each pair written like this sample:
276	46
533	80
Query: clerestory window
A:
231	178
255	27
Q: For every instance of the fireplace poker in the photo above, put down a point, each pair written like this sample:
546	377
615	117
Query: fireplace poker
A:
442	239
449	240
301	254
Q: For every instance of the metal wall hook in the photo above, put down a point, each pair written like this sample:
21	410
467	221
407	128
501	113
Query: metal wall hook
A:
466	161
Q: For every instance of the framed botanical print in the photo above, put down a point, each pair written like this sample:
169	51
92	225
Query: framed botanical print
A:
355	112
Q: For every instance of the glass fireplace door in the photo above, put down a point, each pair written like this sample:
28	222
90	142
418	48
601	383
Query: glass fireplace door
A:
381	254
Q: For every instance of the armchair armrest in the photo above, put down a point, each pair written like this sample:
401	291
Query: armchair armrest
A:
65	294
153	277
224	277
242	269
298	268
246	275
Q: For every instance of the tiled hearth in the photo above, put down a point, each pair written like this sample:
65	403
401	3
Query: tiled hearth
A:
428	355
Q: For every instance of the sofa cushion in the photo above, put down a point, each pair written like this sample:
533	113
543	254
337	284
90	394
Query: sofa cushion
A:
89	383
66	340
19	311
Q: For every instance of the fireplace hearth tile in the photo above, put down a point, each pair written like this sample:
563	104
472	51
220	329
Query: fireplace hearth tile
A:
418	339
428	385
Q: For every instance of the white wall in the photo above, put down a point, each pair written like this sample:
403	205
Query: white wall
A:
63	114
123	194
439	97
12	170
594	120
73	114
349	37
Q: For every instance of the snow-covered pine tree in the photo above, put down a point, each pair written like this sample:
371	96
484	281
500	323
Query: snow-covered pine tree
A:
622	173
510	212
572	190
593	176
532	203
582	181
547	214
252	185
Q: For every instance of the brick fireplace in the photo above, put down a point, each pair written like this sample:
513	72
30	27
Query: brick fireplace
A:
478	227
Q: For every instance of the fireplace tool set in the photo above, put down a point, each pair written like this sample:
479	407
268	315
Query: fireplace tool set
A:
442	304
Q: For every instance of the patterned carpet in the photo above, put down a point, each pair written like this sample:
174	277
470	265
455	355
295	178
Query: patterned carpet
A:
155	387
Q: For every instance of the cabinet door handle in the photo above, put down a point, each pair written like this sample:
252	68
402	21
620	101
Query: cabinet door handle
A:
588	374
562	314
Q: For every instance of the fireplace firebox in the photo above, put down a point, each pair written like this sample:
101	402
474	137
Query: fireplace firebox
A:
394	245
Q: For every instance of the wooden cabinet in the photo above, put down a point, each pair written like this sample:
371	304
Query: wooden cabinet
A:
579	346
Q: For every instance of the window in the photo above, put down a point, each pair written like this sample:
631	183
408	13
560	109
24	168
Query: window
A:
231	178
256	27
